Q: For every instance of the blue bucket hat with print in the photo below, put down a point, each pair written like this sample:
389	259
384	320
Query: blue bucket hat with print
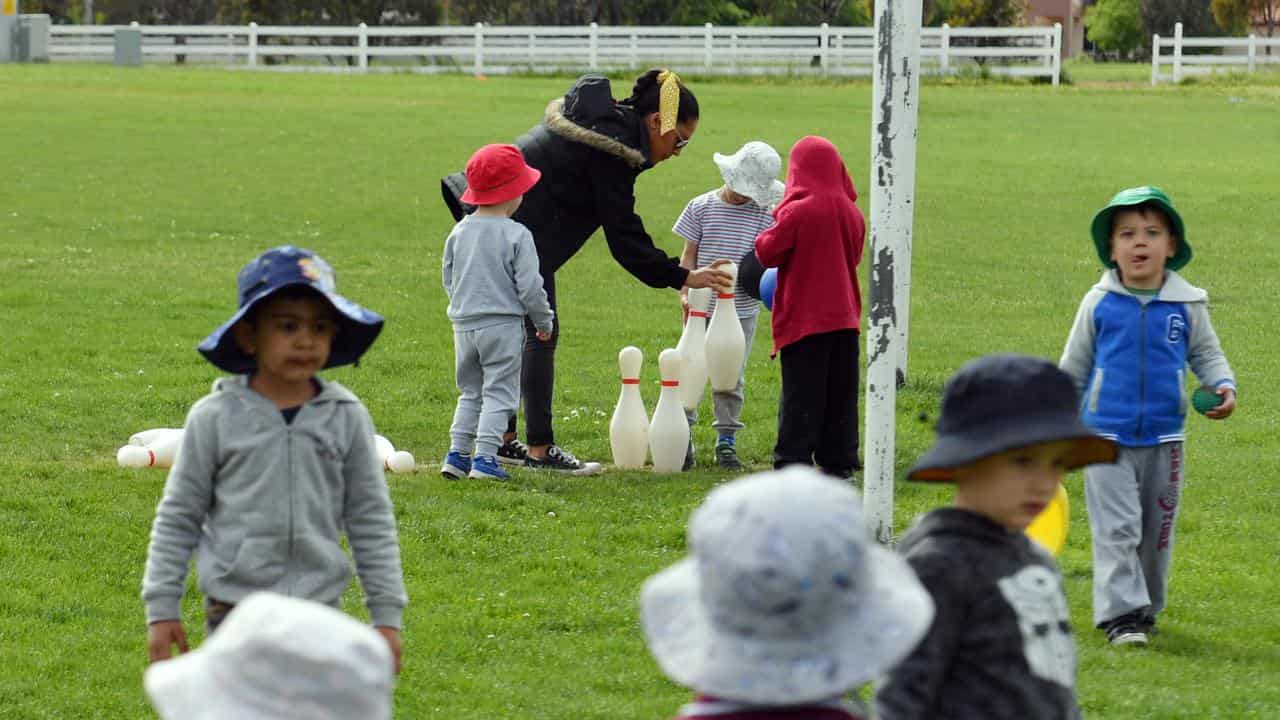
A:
282	267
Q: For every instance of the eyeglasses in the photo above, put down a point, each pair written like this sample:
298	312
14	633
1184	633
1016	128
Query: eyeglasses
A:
681	140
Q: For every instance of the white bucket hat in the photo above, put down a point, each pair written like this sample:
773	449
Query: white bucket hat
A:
279	658
785	599
753	171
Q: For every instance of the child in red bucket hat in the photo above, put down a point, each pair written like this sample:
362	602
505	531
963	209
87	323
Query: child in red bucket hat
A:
492	278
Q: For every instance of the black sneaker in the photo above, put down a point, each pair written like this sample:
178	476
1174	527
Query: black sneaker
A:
727	456
562	460
1125	630
1147	624
688	457
513	452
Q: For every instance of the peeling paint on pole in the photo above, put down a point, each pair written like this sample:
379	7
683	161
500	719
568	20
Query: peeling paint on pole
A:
895	85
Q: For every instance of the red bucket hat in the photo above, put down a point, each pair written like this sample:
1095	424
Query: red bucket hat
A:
496	174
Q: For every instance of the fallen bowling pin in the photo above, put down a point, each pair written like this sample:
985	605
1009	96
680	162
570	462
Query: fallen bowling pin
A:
629	427
397	461
726	344
669	429
693	350
146	437
151	448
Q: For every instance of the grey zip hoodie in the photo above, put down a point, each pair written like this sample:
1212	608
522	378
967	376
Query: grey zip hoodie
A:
262	503
490	272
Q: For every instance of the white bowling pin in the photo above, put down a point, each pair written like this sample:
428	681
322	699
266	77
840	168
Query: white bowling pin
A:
145	437
669	429
693	350
151	448
629	428
397	461
726	344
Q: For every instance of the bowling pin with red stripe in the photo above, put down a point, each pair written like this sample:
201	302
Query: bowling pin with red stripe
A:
669	428
726	344
629	428
693	350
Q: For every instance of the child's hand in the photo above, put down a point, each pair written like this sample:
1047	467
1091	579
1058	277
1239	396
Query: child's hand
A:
684	301
542	335
392	636
162	635
1228	404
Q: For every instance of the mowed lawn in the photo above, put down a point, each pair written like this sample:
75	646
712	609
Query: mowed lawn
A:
132	198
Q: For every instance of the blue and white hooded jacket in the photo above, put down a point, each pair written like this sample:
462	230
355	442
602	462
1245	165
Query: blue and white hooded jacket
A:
1129	359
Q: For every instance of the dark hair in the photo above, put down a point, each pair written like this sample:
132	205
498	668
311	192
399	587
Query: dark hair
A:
644	97
1150	207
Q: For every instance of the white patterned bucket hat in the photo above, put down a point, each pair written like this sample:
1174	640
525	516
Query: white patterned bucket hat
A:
278	658
753	171
785	598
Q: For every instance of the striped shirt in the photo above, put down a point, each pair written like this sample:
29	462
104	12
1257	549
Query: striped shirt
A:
723	232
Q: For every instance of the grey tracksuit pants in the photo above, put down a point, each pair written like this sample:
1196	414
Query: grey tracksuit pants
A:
727	405
487	368
1133	506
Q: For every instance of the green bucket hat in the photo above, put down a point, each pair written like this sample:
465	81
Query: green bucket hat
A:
1101	227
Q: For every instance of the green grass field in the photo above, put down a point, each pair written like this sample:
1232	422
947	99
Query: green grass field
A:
133	198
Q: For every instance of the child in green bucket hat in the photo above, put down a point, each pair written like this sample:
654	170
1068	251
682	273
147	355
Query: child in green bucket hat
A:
1134	334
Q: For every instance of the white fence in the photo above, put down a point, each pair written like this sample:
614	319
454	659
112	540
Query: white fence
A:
1235	54
486	49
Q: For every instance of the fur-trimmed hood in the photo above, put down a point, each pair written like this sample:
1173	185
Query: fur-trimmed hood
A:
558	123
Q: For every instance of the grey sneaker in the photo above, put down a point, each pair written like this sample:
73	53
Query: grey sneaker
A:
562	460
727	456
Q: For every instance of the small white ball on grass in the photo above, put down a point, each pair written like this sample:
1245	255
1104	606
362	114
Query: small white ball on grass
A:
400	462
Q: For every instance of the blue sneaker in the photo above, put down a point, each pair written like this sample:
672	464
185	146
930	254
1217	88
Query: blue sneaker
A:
486	467
456	465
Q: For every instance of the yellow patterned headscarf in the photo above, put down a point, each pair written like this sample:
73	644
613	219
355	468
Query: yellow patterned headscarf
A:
668	100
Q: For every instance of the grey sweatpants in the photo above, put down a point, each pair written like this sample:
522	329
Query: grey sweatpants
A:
727	405
1133	506
487	368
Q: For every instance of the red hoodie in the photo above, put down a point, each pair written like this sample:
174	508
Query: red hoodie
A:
816	245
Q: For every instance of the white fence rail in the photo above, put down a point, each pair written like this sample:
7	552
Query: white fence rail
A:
486	49
1245	54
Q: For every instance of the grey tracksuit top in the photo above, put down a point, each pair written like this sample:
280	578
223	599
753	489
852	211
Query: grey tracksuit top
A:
262	503
490	272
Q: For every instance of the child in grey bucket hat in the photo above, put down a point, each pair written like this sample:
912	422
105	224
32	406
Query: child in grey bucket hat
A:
278	658
784	604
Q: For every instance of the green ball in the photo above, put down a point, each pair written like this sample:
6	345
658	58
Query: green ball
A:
1205	399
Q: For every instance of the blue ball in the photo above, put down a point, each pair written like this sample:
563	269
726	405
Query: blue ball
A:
768	283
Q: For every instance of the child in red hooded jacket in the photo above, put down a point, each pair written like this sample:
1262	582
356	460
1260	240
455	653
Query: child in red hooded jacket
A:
816	245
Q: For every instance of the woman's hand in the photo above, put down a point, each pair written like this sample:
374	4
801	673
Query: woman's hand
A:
711	276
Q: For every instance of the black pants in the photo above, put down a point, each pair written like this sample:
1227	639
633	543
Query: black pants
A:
538	375
818	410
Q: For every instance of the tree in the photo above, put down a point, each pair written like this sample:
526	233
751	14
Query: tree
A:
1159	16
1115	25
1237	16
986	13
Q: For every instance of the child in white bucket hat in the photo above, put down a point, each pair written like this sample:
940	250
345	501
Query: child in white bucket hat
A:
722	224
785	603
278	658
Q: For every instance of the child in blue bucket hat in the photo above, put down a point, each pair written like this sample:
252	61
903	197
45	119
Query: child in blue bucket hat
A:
784	604
1135	333
276	464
